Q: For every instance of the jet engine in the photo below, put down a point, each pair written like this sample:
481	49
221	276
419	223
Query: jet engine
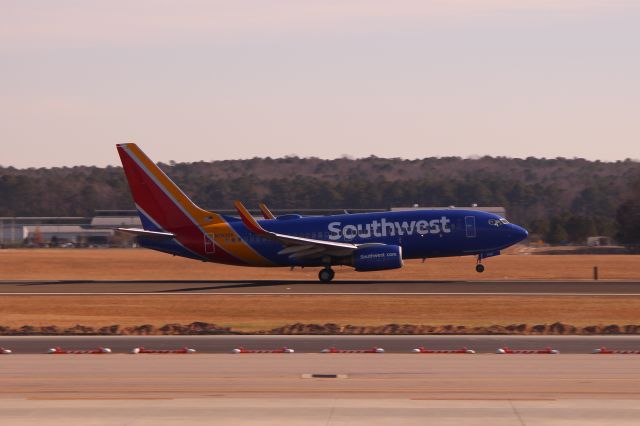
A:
377	258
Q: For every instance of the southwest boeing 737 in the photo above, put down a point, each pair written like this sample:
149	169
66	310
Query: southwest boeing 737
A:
173	224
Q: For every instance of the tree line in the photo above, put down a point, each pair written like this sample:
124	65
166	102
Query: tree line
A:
559	200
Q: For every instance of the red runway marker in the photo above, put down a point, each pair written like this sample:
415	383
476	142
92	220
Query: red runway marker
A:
547	350
263	351
604	350
422	350
59	351
142	350
332	350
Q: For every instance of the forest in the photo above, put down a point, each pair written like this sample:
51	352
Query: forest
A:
559	200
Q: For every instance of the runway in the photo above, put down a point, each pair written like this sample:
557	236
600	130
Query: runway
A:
274	389
169	287
314	344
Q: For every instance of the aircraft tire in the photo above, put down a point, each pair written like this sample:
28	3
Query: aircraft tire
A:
326	275
479	267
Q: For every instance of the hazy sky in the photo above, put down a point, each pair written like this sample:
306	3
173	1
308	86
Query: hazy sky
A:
209	80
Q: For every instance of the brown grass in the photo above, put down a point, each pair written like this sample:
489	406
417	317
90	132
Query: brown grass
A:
252	313
133	264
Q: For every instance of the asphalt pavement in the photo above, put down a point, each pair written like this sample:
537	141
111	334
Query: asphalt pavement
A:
168	287
315	344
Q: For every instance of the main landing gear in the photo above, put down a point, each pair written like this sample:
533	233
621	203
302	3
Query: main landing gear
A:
479	265
326	275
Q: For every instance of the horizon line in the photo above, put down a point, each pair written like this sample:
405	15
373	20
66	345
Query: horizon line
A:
347	157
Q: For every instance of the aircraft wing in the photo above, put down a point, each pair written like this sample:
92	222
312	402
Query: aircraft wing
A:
298	247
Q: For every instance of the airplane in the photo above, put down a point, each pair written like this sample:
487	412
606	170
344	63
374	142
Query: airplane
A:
172	223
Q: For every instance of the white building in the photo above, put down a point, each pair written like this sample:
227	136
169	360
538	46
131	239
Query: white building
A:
76	234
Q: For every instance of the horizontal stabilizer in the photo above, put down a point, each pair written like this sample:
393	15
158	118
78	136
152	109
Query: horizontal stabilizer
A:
147	234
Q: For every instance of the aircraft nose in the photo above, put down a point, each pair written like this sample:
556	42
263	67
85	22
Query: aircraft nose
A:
518	233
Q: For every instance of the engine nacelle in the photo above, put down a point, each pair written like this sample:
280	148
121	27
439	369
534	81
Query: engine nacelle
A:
377	258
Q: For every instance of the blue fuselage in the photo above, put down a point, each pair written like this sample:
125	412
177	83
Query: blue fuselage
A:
420	233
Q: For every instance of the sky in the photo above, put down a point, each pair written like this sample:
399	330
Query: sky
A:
192	80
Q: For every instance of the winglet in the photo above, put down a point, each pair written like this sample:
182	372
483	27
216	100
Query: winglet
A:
248	220
266	213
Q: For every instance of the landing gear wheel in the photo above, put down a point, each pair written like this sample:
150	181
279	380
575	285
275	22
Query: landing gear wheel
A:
479	267
326	275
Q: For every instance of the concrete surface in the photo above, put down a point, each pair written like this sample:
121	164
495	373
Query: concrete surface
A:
269	389
318	412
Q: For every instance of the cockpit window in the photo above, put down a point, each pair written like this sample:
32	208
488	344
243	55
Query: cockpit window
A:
498	222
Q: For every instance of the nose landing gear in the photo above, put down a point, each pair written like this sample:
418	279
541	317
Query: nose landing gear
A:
326	275
479	265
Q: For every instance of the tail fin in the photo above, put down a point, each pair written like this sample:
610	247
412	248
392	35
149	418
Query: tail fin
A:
162	206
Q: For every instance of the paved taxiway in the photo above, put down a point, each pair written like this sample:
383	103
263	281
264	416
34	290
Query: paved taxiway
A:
585	288
314	344
271	389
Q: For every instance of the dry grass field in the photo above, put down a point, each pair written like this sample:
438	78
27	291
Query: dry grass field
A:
253	313
140	264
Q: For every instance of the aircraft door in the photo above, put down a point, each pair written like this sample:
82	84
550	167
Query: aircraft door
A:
470	226
209	246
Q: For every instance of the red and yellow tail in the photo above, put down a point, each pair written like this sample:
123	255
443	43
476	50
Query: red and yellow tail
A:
157	195
164	208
